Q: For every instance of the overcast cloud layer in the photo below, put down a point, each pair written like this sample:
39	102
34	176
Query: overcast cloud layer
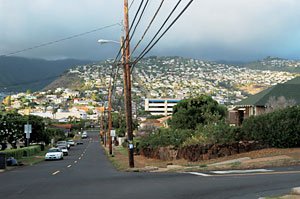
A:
210	29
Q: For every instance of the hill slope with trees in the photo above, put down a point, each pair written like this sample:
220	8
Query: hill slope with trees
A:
21	74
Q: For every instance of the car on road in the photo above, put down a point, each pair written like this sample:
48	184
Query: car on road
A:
71	142
54	154
84	134
64	150
79	141
63	143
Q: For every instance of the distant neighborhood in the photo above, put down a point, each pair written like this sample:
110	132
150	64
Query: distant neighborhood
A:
153	78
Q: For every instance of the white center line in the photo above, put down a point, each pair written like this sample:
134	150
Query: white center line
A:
79	158
69	166
242	171
56	172
199	174
75	161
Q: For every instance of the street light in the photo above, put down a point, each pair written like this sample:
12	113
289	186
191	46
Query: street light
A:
127	86
105	41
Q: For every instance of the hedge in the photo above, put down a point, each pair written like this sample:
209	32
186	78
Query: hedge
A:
277	129
26	151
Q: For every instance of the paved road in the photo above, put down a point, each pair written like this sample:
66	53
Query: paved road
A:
86	173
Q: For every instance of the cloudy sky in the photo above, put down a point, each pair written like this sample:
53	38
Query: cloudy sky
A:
209	29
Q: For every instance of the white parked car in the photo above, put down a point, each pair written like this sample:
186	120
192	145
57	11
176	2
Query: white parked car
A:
64	150
84	135
71	142
63	143
54	154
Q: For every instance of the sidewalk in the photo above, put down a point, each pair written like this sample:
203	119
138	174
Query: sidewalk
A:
295	194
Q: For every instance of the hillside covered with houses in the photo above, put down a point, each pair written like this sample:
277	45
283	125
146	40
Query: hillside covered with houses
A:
154	77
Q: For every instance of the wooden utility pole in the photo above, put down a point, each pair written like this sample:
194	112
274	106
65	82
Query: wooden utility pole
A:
109	117
102	132
127	86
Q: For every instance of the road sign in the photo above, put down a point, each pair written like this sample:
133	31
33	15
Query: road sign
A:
27	130
113	133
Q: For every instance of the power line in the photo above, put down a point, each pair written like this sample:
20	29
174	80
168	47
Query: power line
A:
162	26
141	15
113	80
158	9
131	4
59	40
147	50
127	36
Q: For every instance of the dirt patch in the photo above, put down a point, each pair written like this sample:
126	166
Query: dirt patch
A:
267	159
270	157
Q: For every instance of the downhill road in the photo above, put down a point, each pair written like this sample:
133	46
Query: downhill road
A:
86	173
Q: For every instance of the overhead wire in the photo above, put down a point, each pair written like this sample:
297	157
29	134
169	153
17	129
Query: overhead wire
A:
59	40
141	15
148	27
127	36
131	4
145	51
149	46
116	60
162	26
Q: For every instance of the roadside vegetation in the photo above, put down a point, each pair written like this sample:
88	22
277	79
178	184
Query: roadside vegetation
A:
14	144
199	124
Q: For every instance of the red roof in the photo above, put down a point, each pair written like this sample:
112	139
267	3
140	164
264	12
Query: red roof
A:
64	126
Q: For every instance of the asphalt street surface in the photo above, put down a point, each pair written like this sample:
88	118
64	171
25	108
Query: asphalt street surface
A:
86	173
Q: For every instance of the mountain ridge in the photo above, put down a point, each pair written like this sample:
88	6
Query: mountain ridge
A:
21	74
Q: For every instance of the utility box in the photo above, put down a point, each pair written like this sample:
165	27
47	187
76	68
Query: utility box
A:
2	161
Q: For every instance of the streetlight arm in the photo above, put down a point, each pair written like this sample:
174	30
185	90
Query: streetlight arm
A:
104	41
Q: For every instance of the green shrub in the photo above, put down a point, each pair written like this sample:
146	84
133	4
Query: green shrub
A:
277	129
165	137
189	113
214	133
26	151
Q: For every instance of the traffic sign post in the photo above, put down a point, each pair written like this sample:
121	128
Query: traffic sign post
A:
113	133
27	132
112	137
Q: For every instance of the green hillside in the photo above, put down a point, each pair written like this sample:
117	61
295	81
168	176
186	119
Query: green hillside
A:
21	74
274	64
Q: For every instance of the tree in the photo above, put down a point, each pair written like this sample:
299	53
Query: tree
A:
189	113
11	129
38	129
28	92
119	124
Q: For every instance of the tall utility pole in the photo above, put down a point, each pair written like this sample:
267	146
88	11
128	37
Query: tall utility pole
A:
109	117
102	132
127	87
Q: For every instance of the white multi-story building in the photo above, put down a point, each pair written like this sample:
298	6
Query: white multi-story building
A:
160	106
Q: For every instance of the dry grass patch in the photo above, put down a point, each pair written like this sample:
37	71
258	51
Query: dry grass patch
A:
271	157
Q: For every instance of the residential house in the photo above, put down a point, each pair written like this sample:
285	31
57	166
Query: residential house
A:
257	104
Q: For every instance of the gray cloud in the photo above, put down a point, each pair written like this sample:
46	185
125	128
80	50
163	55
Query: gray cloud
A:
210	29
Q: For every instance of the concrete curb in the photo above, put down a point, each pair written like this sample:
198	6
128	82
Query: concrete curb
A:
146	169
